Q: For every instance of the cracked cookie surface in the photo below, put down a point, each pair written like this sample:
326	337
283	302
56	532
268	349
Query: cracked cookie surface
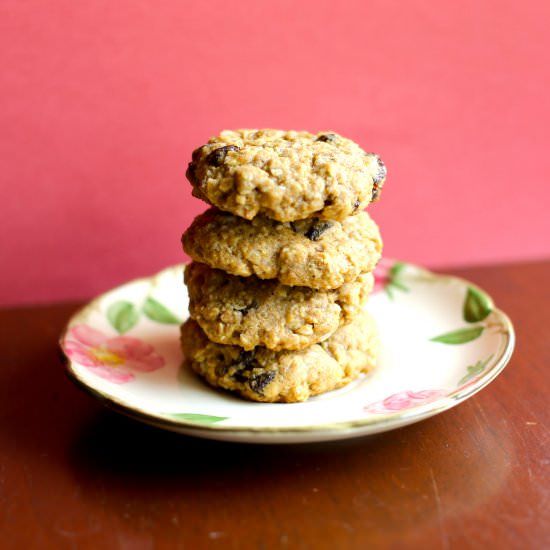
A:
284	376
251	312
313	253
284	175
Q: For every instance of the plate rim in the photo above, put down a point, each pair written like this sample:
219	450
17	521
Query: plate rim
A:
408	416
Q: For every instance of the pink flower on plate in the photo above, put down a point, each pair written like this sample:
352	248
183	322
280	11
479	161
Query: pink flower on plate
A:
115	359
403	400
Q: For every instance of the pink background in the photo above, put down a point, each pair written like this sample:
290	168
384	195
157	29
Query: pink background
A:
101	103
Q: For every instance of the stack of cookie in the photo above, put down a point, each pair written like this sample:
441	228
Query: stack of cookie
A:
282	263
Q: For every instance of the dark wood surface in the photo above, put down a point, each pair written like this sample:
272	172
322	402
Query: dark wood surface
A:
75	475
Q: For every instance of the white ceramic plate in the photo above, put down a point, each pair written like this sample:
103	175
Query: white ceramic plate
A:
442	341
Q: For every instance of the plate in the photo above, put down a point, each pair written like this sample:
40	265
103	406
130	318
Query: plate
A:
442	341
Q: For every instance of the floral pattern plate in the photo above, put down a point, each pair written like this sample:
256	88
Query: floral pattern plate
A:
442	341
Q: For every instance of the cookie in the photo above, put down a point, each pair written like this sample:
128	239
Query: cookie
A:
313	253
250	312
284	376
286	176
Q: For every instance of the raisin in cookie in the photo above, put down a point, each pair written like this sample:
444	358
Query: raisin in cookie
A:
313	253
284	376
250	312
285	175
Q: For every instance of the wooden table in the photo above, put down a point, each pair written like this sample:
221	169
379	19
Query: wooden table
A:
74	475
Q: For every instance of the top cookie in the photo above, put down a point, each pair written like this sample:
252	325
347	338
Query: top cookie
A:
286	176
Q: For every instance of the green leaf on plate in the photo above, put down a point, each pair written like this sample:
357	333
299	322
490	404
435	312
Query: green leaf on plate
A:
398	284
477	305
202	418
396	269
394	276
122	315
393	280
474	370
155	311
460	336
